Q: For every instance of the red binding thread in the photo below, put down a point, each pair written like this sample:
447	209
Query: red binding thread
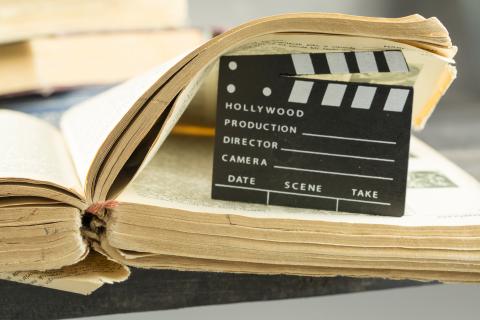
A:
100	205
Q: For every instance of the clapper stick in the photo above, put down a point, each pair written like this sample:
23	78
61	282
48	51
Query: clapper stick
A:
291	141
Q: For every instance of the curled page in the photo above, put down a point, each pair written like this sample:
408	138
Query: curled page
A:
83	277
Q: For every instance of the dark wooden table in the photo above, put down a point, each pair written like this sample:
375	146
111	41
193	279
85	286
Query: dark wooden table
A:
454	130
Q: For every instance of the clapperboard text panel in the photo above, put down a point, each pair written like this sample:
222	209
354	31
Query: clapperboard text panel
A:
282	140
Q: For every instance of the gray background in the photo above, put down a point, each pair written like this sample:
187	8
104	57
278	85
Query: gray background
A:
439	302
454	130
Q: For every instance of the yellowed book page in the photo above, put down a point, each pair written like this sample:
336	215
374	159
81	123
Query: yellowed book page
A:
32	149
25	19
181	104
438	193
209	265
87	125
83	277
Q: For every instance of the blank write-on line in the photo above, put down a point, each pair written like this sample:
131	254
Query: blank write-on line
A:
336	173
347	138
268	191
336	155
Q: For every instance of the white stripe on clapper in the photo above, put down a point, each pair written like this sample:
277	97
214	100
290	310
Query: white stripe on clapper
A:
337	62
302	63
395	61
366	62
396	100
300	91
334	94
363	97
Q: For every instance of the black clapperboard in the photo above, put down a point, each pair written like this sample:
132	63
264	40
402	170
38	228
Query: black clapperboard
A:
290	141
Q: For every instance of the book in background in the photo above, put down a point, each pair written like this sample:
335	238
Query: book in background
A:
49	46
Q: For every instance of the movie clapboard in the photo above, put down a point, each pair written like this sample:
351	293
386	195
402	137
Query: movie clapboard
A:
287	140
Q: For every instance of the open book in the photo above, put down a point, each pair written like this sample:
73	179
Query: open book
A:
126	179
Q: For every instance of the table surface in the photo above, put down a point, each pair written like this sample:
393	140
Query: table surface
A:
454	130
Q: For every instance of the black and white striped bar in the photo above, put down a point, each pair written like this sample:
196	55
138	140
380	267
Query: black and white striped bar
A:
349	62
334	94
